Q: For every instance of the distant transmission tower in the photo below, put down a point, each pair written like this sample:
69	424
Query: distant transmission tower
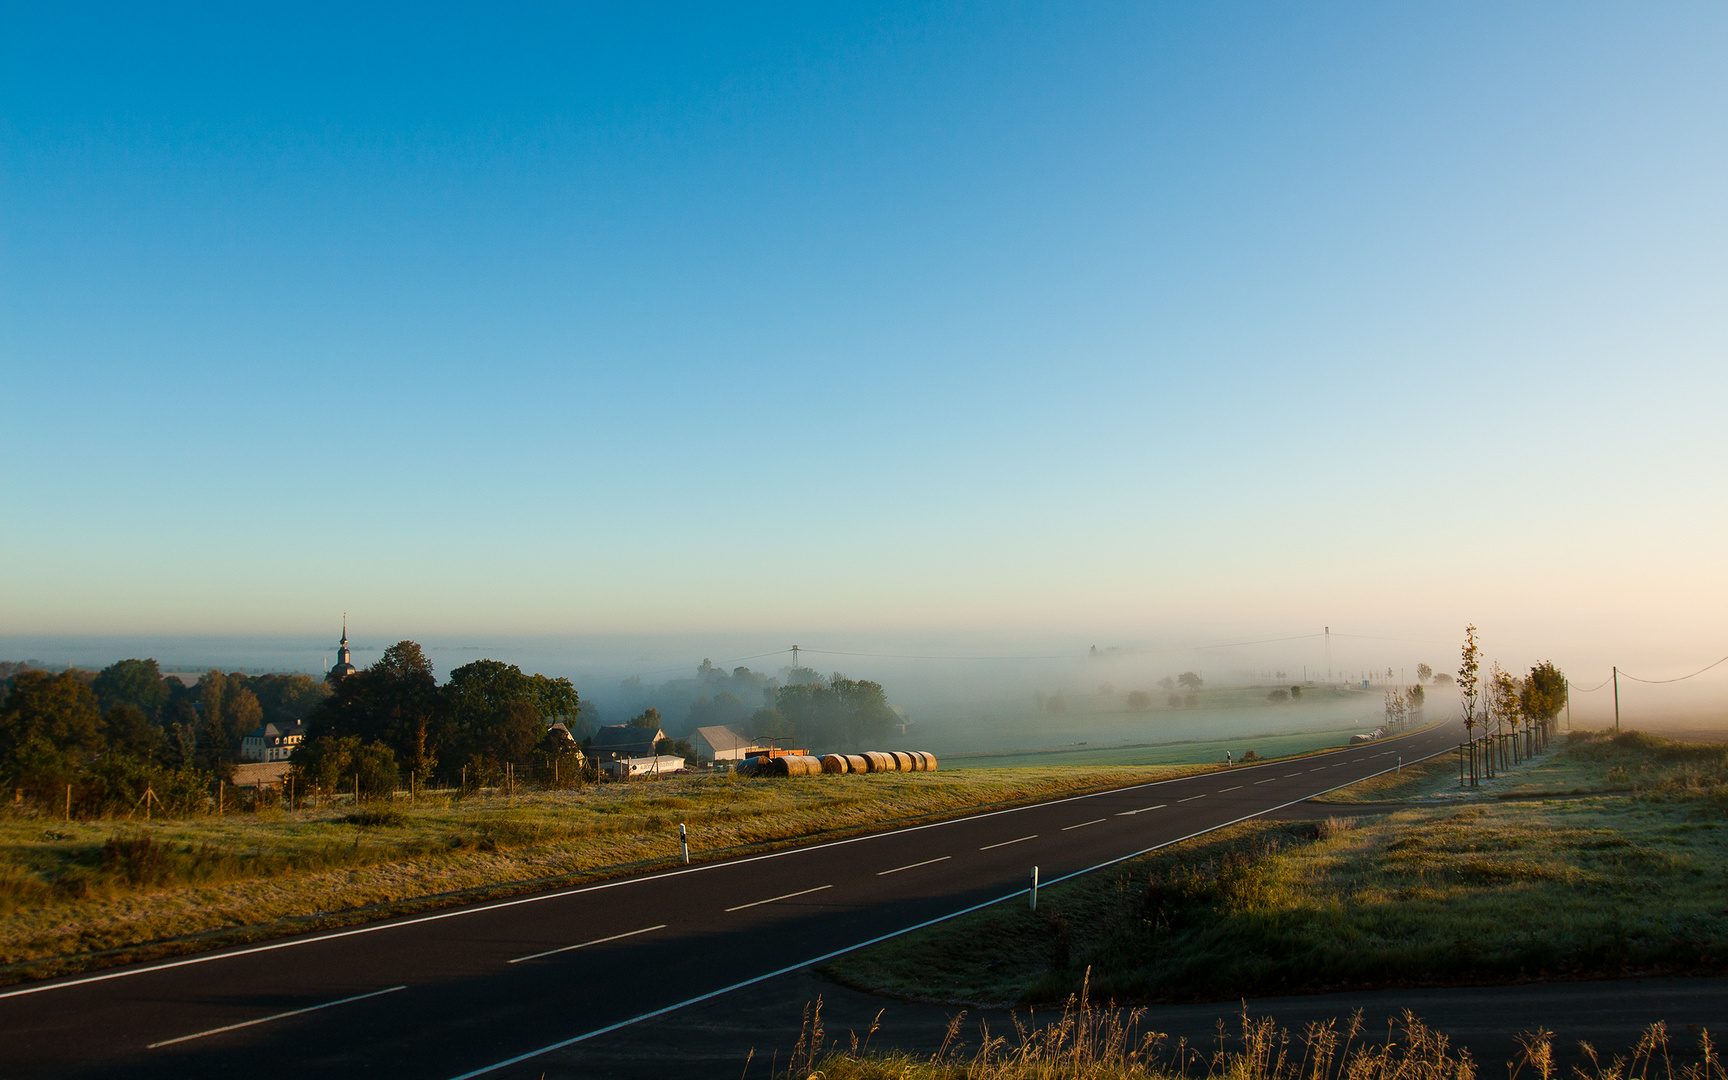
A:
794	656
1328	654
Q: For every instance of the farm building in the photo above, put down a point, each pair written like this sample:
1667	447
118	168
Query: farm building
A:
616	741
722	744
653	765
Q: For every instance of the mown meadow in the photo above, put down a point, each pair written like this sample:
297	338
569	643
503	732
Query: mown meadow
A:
1609	856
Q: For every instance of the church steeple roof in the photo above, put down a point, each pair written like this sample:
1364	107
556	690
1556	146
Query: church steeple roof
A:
344	667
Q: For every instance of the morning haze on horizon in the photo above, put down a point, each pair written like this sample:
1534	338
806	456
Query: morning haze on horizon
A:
921	331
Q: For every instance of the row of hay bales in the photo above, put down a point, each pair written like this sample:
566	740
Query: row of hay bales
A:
878	761
870	761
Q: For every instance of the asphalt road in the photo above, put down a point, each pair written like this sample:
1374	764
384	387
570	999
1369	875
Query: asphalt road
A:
487	989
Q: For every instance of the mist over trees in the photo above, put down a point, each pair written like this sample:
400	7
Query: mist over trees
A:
714	697
839	713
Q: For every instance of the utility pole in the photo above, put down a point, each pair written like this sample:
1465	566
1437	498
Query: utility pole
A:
1328	654
1616	699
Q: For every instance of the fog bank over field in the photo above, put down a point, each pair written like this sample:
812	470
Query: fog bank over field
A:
988	692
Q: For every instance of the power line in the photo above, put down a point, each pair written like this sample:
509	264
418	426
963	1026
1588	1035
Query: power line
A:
1682	678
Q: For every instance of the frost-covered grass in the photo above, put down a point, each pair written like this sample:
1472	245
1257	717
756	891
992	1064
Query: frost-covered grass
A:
1490	891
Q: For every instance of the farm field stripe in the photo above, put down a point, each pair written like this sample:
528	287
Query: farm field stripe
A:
268	1019
585	944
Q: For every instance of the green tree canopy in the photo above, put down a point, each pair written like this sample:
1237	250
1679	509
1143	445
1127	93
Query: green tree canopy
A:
1542	694
131	682
395	702
842	713
49	727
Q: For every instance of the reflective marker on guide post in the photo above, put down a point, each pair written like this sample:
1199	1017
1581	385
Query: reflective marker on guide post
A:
684	840
1034	888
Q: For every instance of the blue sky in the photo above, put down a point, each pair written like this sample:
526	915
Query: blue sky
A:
970	317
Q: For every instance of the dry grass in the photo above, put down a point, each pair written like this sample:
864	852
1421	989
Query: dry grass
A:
1089	1043
74	893
1493	891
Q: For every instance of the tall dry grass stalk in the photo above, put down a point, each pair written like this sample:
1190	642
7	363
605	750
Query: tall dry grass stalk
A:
1091	1043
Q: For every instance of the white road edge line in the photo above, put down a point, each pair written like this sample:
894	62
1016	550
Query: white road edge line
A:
267	1019
1005	843
912	866
559	894
585	944
772	899
1082	825
710	995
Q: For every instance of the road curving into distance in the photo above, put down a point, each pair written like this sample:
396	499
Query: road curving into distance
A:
486	990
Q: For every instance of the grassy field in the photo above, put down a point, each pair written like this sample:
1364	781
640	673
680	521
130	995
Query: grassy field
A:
1621	868
76	894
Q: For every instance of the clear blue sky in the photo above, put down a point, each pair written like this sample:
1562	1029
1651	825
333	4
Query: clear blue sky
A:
988	316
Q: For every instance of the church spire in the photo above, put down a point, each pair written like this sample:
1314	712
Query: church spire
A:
344	667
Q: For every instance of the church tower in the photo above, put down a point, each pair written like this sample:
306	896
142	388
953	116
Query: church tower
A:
343	667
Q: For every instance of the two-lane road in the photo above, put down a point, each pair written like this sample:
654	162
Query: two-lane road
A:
482	989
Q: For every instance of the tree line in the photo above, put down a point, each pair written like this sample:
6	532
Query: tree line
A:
1520	710
100	739
393	722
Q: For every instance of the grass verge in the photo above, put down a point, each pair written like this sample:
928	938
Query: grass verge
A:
1488	892
1087	1043
75	895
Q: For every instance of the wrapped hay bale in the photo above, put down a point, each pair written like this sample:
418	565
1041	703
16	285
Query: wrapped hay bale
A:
835	763
857	763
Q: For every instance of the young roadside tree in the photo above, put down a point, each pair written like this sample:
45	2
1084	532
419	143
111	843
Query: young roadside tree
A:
1424	673
1470	689
1541	697
1503	703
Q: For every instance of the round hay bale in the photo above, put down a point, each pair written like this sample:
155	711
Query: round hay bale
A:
903	760
880	762
929	761
775	767
802	765
835	763
857	763
918	763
